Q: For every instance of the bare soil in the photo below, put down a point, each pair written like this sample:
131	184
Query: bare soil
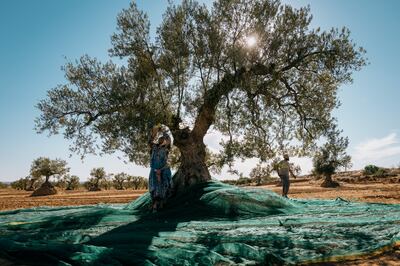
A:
377	192
11	199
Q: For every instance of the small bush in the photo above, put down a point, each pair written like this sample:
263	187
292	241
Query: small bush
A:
371	169
3	185
380	173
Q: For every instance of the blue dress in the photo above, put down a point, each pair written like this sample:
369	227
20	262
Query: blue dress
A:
159	158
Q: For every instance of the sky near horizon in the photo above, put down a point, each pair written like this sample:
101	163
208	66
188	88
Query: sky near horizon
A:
37	37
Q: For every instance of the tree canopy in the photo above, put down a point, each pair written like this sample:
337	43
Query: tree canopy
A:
331	156
46	167
252	69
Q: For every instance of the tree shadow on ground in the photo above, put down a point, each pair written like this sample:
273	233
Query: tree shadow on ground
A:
35	242
132	244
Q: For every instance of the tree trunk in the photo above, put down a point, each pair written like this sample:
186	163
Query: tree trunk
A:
193	168
328	182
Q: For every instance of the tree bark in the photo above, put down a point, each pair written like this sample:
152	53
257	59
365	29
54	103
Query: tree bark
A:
193	168
328	182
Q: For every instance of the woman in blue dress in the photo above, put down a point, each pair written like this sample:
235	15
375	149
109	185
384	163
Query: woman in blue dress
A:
160	180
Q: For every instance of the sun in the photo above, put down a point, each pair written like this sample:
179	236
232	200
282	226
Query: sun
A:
251	41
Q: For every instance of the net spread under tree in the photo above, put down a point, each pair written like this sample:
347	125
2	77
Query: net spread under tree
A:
200	71
212	224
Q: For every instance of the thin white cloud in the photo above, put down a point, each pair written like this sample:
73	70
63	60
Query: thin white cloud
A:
382	151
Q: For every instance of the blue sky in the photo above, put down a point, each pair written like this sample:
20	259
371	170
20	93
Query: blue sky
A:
37	36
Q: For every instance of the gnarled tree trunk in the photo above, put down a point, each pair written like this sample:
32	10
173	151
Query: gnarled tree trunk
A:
328	182
193	168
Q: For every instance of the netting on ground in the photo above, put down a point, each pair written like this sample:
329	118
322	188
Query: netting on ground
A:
213	224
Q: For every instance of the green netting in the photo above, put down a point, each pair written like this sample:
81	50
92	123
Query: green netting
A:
213	224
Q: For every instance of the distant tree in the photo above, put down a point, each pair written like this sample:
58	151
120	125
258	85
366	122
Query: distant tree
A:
200	72
35	180
71	182
261	173
137	182
47	168
331	156
107	183
97	176
20	184
28	183
120	181
61	182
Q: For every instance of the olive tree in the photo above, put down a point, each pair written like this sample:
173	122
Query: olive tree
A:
34	181
45	167
331	156
255	70
71	182
137	182
120	180
261	173
21	184
98	175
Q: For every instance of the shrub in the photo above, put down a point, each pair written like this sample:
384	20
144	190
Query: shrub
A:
370	169
3	185
380	173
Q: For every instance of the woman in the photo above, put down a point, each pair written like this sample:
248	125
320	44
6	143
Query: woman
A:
160	181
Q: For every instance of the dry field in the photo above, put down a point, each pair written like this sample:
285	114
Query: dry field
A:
11	199
367	192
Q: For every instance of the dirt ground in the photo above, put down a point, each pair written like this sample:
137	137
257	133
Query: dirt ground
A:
371	192
11	199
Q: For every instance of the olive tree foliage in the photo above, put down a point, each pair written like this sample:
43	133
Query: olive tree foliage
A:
199	71
45	167
33	182
21	184
331	157
97	177
261	173
120	180
137	182
68	182
107	183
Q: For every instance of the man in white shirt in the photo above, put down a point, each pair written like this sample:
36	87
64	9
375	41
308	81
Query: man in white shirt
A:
283	172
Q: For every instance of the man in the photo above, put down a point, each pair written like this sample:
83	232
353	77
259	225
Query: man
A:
283	172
